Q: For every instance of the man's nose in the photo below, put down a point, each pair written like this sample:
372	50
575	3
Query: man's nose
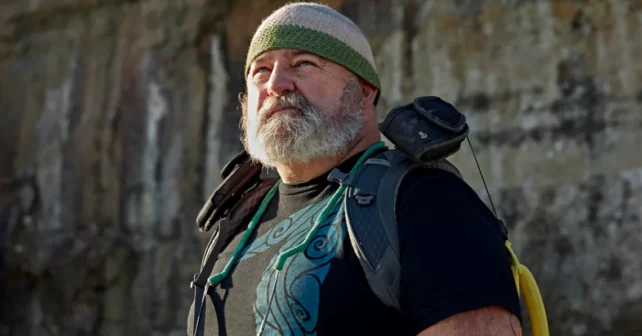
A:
281	82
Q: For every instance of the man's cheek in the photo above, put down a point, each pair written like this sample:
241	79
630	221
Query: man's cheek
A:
255	100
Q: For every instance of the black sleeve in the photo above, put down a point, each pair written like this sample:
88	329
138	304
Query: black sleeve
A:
453	257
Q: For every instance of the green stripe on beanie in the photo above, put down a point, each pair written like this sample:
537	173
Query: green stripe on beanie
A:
316	42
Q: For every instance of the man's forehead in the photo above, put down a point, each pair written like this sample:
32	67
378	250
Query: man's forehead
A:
270	54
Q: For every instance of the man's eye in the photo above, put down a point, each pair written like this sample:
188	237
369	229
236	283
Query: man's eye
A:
302	63
260	71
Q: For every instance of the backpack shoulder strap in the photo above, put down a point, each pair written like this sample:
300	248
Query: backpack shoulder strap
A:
224	231
370	210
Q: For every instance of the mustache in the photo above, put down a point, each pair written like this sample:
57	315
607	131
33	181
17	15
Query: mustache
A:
293	99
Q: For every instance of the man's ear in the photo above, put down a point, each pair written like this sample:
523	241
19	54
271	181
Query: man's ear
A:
369	92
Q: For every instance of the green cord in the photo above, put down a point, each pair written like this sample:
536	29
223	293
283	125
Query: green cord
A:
217	278
280	262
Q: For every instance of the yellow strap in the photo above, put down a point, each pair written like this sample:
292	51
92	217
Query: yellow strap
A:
534	302
526	282
514	265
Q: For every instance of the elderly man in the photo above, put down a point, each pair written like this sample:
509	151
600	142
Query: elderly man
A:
312	87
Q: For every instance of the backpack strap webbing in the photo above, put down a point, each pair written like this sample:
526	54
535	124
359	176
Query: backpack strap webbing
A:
199	283
225	229
370	205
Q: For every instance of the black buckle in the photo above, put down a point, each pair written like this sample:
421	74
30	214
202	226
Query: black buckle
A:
340	177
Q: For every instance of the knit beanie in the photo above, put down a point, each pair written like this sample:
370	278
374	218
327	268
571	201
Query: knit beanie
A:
320	30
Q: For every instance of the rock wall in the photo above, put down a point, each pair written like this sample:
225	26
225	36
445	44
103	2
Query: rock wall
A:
118	115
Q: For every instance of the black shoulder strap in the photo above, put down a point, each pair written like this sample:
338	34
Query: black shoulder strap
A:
225	229
370	206
371	222
199	283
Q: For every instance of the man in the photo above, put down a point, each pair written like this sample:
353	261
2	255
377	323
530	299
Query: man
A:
312	87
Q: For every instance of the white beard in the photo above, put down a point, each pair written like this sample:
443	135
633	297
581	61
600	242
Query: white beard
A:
302	136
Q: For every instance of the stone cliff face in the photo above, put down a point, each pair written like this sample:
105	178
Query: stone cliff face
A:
118	115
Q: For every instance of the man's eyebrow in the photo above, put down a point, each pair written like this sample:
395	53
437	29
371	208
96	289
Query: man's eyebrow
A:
257	60
295	53
292	53
300	53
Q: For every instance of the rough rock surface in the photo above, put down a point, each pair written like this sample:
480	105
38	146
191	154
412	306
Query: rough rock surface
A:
118	115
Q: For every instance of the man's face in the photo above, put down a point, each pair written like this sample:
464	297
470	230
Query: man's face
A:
299	107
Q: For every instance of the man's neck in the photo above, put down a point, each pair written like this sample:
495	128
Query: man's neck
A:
296	173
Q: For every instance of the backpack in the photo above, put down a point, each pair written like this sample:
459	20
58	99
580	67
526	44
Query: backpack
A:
424	132
371	224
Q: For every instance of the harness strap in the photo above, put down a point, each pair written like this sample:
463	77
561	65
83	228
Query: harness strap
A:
226	228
